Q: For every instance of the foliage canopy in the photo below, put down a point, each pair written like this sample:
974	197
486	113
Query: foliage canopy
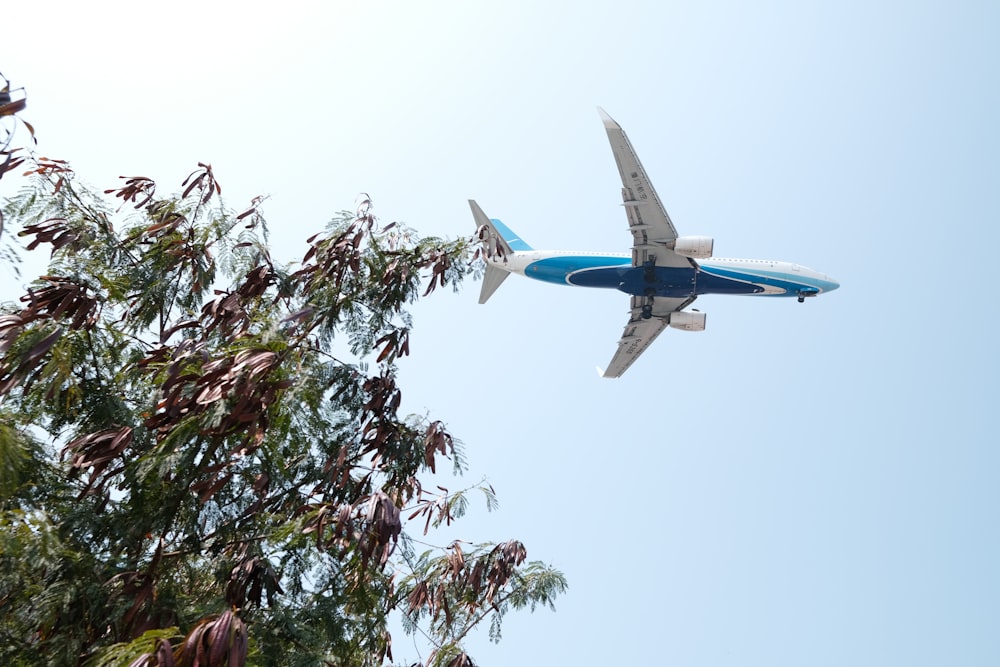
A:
189	474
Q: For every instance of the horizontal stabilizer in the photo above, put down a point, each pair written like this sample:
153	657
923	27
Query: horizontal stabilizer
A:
491	281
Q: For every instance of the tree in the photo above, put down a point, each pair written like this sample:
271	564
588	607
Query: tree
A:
11	102
188	472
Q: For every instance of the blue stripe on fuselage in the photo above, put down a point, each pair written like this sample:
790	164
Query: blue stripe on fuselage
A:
791	284
618	273
611	272
565	269
735	283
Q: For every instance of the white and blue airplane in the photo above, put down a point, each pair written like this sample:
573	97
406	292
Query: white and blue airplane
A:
663	274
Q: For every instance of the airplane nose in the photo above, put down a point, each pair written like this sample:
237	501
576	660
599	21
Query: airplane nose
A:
831	284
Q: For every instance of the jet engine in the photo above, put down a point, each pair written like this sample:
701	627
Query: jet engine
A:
697	247
688	320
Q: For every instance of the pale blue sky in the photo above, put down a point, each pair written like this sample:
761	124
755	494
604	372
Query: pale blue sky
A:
807	484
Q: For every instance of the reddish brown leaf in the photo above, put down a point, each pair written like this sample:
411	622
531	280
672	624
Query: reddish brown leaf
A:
11	108
39	349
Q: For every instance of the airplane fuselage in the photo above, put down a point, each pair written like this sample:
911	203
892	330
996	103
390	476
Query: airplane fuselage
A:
710	276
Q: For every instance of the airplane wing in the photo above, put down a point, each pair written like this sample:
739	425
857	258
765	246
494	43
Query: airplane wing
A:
648	221
640	333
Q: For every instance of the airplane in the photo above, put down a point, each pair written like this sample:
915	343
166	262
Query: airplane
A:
663	275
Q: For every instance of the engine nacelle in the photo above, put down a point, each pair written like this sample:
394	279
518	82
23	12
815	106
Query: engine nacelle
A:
688	320
694	246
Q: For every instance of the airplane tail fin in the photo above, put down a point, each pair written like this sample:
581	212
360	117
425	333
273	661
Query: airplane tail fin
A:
498	242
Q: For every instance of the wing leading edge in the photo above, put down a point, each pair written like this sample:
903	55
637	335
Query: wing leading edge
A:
651	227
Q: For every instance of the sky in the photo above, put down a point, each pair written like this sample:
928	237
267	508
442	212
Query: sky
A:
798	484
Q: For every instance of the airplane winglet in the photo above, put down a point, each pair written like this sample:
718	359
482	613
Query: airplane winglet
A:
600	371
609	122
